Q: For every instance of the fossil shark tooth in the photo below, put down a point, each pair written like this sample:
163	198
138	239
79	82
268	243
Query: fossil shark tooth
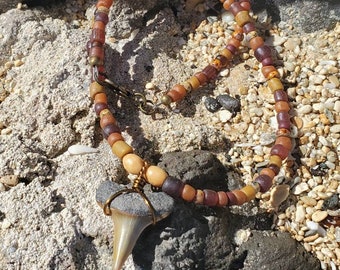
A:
131	215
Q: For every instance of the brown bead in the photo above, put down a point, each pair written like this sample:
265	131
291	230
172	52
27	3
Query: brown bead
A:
199	198
282	106
180	89
210	72
274	168
175	96
101	16
114	137
222	198
133	164
232	49
222	59
107	119
210	197
283	132
100	98
246	5
98	25
104	3
280	95
97	52
110	128
227	4
280	151
286	142
235	8
240	196
201	77
269	172
238	33
266	70
173	187
262	53
256	42
249	191
155	175
233	41
96	88
98	107
242	17
231	198
121	148
98	35
188	193
264	181
275	84
276	160
283	120
217	64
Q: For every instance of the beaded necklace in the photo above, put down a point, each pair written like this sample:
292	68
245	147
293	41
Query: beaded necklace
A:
156	176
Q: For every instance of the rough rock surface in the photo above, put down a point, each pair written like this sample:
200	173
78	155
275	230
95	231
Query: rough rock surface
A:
50	220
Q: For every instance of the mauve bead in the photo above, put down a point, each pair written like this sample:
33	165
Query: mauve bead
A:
173	187
232	49
211	72
98	107
231	198
280	95
249	27
210	197
98	35
101	16
109	129
267	61
283	120
274	168
262	53
264	181
280	151
235	8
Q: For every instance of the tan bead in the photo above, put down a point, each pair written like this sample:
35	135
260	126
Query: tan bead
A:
249	191
95	88
276	160
199	198
121	148
132	163
268	172
227	54
282	106
242	18
275	84
194	82
240	196
188	193
155	175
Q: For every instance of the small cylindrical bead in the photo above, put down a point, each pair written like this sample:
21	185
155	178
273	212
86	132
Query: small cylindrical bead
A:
107	119
232	200
101	16
223	59
280	95
235	42
105	3
222	198
188	193
280	151
98	35
245	5
269	172
203	79
96	88
264	181
100	98
275	84
110	128
235	8
232	49
210	72
282	106
175	95
210	197
155	175
267	61
132	163
242	18
227	4
262	53
286	142
98	107
240	196
266	70
199	198
274	168
98	25
283	120
227	54
283	132
249	191
173	187
121	148
114	137
194	82
249	27
276	160
256	42
217	64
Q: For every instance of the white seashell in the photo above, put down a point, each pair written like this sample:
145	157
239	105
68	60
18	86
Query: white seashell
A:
278	195
316	227
78	149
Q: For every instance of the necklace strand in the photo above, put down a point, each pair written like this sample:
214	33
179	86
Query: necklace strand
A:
154	175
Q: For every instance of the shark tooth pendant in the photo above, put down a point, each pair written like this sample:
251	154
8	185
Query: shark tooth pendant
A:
131	211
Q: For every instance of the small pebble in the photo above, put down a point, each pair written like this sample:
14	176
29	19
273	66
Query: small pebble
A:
212	104
335	128
229	103
225	116
9	180
300	188
319	216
